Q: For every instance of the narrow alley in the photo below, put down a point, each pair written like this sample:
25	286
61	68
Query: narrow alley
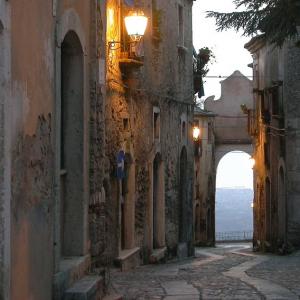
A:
229	271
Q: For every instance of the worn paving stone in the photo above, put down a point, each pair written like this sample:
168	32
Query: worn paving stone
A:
204	277
282	270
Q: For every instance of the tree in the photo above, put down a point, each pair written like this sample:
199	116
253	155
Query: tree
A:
277	19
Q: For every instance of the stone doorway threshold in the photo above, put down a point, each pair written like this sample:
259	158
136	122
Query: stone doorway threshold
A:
128	259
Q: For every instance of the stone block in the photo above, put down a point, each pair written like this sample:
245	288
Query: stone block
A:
182	250
88	288
128	259
158	255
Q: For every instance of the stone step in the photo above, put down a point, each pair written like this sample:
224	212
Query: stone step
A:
158	255
90	287
128	259
113	297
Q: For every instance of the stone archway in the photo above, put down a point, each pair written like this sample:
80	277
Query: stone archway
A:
72	230
128	205
183	198
158	203
282	207
268	210
233	197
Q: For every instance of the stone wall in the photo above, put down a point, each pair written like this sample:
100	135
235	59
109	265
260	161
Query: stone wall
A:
4	154
276	220
204	180
164	84
292	109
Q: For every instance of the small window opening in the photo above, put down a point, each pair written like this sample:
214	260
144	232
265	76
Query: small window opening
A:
126	124
156	125
183	130
180	26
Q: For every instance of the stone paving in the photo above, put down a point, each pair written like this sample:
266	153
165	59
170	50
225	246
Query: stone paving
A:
224	272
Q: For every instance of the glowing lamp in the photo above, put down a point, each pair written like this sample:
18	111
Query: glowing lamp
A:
136	24
196	133
252	162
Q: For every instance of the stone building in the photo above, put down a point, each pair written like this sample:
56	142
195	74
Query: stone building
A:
204	179
275	132
231	122
51	144
224	125
77	102
149	117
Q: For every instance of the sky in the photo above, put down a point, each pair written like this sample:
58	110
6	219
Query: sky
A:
228	46
235	170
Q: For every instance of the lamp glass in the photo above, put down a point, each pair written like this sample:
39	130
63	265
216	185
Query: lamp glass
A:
252	162
136	24
196	133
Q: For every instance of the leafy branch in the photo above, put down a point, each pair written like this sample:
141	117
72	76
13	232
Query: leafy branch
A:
277	19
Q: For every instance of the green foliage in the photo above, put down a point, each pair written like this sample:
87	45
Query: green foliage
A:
277	19
201	62
203	58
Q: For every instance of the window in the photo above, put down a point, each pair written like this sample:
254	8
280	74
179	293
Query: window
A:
126	124
275	101
180	26
183	130
156	123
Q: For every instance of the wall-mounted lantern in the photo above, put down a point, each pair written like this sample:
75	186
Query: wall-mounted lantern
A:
196	133
197	142
136	24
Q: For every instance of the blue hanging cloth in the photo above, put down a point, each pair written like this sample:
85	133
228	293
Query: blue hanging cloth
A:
129	2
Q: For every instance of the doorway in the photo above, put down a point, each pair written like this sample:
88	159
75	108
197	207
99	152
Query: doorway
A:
183	197
234	198
71	148
158	236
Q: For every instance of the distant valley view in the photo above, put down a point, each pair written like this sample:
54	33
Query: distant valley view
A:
234	214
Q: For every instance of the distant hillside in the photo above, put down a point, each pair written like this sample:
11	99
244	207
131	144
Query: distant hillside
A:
233	209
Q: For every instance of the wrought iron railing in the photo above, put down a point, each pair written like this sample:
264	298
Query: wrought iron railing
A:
234	236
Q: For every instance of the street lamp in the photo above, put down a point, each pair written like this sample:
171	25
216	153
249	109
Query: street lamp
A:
196	133
252	162
136	24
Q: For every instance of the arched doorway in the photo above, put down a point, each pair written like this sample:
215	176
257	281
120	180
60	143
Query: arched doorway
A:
128	204
282	207
183	198
158	236
234	197
268	209
72	209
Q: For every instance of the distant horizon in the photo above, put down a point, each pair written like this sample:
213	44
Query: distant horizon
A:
234	188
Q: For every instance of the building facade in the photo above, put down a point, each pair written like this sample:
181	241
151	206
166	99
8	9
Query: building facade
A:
275	131
204	179
149	115
95	142
50	95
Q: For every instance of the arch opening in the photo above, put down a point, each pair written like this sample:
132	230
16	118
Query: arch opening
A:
128	204
234	197
71	148
183	198
158	236
282	208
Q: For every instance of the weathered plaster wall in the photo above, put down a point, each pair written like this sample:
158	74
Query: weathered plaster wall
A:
5	229
32	101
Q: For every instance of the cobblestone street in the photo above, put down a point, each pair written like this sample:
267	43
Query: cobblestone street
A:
229	271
